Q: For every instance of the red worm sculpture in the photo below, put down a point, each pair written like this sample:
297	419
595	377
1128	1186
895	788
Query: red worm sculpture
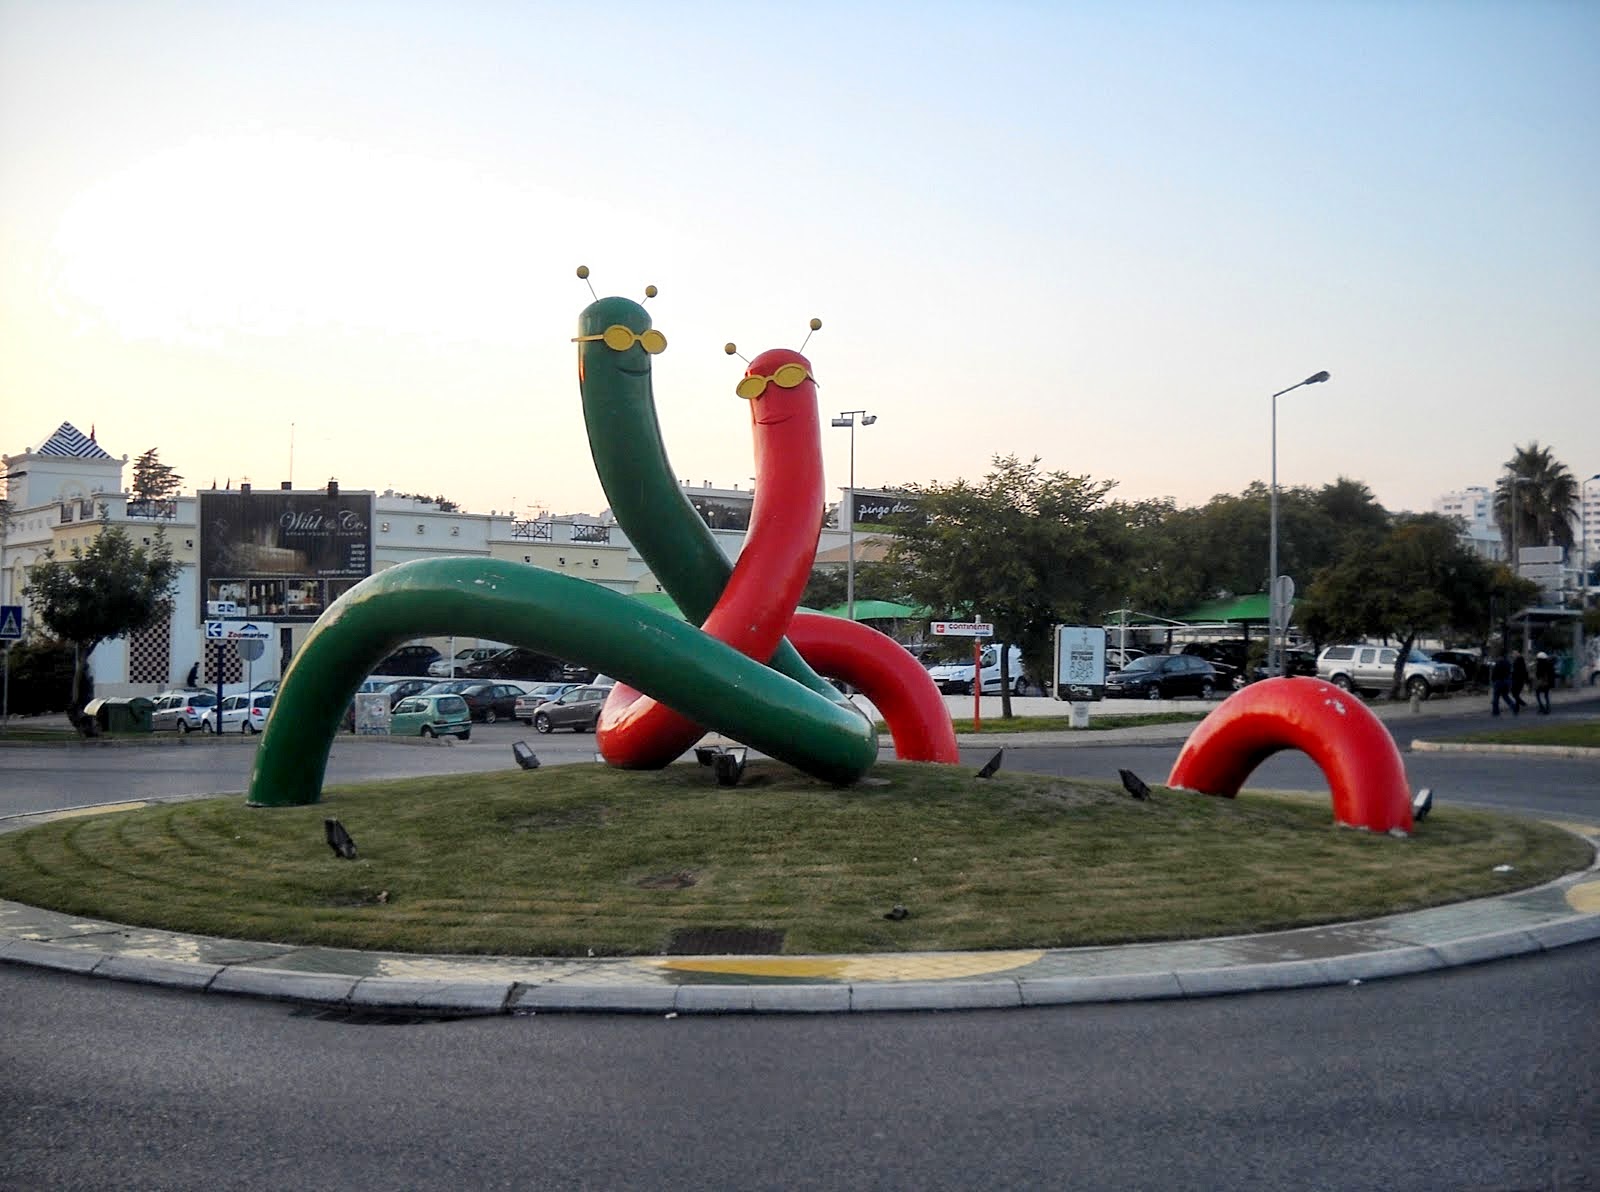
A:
1349	744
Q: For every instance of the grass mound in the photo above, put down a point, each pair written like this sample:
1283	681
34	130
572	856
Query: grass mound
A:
580	860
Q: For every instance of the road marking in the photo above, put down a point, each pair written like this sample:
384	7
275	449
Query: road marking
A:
101	809
856	968
1585	897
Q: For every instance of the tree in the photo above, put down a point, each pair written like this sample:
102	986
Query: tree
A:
1535	501
1220	549
152	479
1416	579
110	589
827	586
1023	548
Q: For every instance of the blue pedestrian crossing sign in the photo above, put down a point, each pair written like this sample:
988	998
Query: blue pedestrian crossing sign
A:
10	622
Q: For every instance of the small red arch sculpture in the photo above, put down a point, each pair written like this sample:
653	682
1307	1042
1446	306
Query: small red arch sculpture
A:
1349	744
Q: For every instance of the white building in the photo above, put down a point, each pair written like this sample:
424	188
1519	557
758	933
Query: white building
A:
1474	505
63	493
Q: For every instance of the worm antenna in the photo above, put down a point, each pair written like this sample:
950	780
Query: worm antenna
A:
583	273
816	325
732	349
650	292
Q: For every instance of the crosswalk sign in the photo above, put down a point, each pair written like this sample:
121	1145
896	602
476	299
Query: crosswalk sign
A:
10	622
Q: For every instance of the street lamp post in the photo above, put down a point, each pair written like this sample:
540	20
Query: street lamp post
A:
848	418
1513	507
1274	653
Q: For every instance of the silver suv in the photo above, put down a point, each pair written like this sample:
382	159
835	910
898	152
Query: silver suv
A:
1371	668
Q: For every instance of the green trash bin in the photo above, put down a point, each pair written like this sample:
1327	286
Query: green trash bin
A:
126	714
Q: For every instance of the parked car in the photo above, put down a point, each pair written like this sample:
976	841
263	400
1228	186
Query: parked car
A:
449	668
1118	657
184	711
401	688
1163	676
1362	668
431	716
540	693
1229	658
245	713
490	702
516	663
1295	662
577	709
955	678
1473	664
408	660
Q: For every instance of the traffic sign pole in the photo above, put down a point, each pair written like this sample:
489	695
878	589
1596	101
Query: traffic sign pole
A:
977	684
10	631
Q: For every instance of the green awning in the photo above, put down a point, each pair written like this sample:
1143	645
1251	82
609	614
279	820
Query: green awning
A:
879	610
1253	607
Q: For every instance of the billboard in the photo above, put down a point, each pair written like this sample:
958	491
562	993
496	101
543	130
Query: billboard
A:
281	555
880	507
1080	662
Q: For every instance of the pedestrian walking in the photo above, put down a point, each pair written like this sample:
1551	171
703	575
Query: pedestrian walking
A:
1519	681
1544	678
1500	684
194	676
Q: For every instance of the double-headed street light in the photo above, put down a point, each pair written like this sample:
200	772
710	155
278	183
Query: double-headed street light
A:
1274	651
848	418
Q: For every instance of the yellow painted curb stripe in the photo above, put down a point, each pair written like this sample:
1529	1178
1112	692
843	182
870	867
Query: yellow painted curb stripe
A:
102	809
1585	897
855	968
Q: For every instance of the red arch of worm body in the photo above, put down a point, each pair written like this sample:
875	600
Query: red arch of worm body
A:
891	678
1348	743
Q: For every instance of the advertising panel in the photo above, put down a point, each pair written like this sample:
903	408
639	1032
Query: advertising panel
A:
1080	663
875	508
281	555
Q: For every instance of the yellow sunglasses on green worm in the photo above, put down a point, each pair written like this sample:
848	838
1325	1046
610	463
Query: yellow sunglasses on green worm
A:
619	339
788	376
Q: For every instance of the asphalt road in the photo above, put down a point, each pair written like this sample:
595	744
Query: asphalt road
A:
1471	1078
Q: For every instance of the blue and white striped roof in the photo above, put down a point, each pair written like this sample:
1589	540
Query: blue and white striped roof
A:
69	440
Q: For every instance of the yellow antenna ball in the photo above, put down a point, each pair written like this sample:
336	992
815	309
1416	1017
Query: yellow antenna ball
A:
731	349
583	272
816	324
650	291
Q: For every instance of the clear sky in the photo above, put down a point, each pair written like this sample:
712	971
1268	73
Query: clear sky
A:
1100	233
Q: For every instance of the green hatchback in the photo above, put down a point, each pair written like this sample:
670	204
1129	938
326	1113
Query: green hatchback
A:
431	716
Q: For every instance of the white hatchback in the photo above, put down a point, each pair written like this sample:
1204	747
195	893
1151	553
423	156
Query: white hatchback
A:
242	713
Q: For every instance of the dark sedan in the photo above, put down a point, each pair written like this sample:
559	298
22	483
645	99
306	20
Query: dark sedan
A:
578	709
1163	676
515	663
488	702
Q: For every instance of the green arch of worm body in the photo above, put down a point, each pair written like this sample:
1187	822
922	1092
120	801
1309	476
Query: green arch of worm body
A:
631	460
556	614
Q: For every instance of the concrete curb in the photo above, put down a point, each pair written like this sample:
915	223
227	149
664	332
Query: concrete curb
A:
1419	746
448	997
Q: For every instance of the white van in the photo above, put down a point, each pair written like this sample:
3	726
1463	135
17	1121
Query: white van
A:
955	678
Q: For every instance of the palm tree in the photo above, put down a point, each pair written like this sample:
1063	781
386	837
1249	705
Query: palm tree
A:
1541	495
